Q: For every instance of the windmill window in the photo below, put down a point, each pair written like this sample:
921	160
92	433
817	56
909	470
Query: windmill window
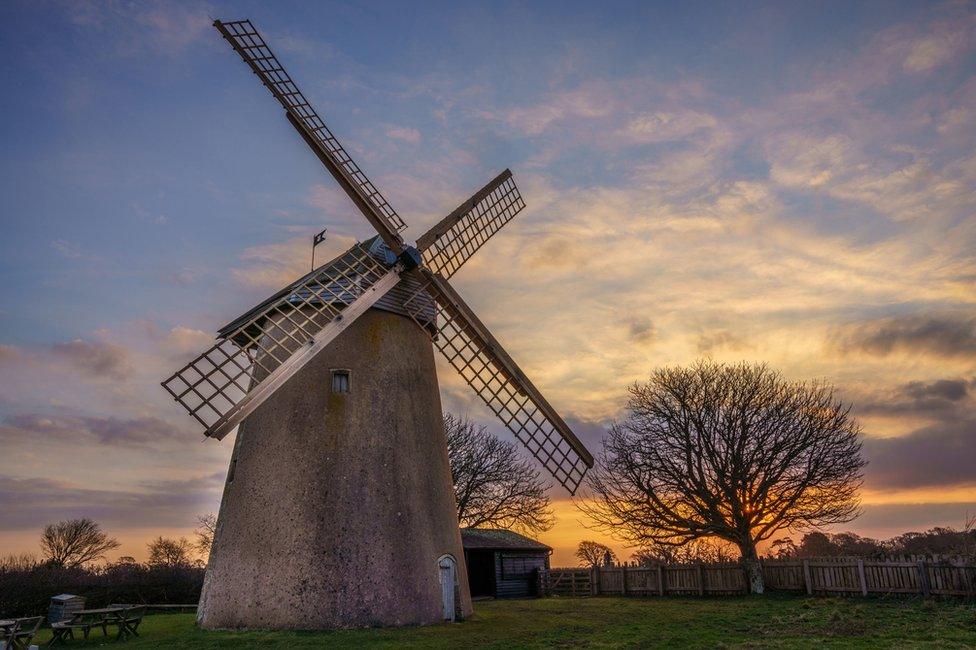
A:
340	381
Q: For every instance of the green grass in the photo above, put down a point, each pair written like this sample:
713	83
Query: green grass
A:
758	622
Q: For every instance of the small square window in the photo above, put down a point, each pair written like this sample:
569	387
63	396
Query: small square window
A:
340	381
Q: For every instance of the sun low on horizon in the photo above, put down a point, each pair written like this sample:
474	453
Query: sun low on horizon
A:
790	187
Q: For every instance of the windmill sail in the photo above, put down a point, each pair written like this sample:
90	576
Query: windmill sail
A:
257	353
460	234
252	48
227	382
478	357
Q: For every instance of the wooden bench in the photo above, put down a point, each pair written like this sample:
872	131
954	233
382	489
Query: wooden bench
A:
63	630
20	635
124	617
129	621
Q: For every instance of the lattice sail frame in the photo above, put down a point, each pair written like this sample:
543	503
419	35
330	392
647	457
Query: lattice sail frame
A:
451	248
246	40
212	387
228	381
476	360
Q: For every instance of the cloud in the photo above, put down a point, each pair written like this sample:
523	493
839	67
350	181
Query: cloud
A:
719	339
945	335
585	103
407	134
9	353
181	341
893	519
273	266
93	357
31	503
952	390
799	160
662	126
933	50
165	28
72	251
86	429
184	276
641	330
937	455
940	401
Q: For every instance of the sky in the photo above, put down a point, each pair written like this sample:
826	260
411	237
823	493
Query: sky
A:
790	183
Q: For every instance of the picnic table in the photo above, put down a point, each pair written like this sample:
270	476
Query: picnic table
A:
17	633
6	625
126	618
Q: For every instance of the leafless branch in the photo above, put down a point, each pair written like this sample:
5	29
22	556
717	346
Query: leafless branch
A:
494	486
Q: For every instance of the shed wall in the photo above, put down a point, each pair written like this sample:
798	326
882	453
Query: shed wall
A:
528	564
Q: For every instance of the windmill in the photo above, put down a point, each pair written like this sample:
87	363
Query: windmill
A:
338	509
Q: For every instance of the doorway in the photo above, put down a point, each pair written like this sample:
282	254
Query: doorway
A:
481	573
447	567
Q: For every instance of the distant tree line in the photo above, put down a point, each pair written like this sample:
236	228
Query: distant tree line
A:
73	561
938	541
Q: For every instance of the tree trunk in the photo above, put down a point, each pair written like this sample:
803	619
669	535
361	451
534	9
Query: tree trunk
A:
750	559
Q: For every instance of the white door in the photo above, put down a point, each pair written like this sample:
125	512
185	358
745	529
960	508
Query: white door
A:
448	572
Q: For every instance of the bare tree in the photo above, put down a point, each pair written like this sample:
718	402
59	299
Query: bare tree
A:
18	562
168	552
734	452
593	554
207	526
699	550
493	484
75	542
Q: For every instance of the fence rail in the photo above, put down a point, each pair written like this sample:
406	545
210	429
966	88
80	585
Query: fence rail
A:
851	576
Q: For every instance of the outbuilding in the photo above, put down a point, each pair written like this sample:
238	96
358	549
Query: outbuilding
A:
501	563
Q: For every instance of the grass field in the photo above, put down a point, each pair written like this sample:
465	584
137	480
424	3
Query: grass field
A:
763	622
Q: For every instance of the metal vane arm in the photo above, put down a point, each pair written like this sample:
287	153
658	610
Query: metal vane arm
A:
460	234
252	48
472	350
226	383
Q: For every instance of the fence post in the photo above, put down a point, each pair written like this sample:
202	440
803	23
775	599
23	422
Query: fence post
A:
806	577
746	581
595	581
623	578
864	580
923	578
701	580
660	579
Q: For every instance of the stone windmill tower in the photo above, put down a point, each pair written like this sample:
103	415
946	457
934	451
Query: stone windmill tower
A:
338	509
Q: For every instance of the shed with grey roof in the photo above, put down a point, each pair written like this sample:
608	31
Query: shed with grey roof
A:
502	563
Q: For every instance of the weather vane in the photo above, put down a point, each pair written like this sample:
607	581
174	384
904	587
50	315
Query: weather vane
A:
316	240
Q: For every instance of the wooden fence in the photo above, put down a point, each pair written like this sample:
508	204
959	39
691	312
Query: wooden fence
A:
852	576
